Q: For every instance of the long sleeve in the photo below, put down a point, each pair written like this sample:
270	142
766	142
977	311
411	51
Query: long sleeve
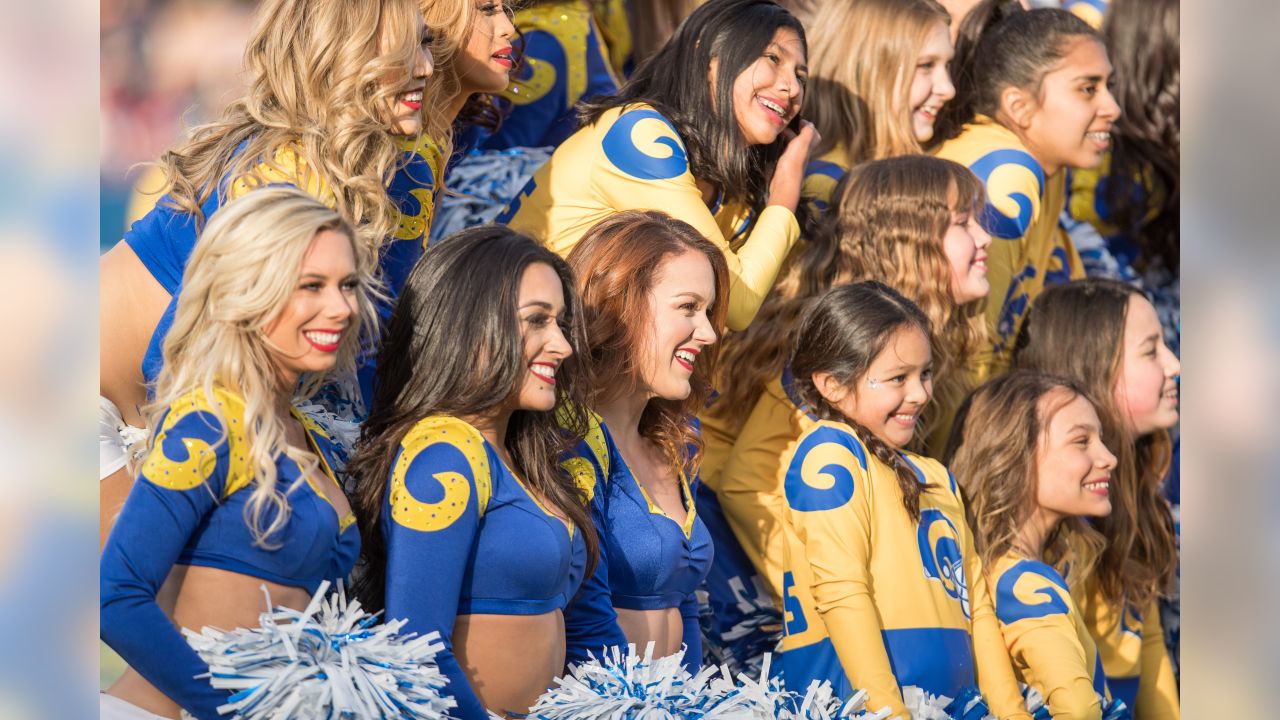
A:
590	622
692	633
1157	689
181	483
990	653
629	178
830	503
429	544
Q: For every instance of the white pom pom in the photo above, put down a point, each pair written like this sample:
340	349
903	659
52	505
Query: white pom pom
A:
924	705
329	660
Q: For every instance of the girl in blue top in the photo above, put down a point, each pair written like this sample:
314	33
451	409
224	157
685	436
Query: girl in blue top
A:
471	526
236	490
654	294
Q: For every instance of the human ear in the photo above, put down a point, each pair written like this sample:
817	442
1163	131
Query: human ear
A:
1018	106
831	389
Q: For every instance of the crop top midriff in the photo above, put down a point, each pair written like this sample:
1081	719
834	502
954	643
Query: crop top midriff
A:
188	507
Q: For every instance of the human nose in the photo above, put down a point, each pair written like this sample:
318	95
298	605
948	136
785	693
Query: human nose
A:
1105	460
703	331
1110	108
558	345
504	28
919	391
981	238
424	64
943	87
1172	366
340	304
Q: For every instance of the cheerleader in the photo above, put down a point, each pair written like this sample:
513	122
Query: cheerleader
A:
699	132
860	99
882	588
1032	463
333	138
1105	336
1032	100
653	292
470	525
236	491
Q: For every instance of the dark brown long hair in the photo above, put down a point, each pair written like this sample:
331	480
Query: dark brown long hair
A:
616	263
431	363
1076	330
993	451
841	334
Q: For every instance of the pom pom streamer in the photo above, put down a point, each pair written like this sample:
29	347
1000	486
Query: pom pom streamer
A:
330	660
628	686
482	183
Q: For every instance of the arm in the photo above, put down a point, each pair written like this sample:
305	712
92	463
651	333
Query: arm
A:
180	484
692	633
990	653
429	546
653	173
829	506
1157	689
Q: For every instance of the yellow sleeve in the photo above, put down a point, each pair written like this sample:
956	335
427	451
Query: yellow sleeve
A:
990	652
829	503
1157	689
751	487
1034	610
635	174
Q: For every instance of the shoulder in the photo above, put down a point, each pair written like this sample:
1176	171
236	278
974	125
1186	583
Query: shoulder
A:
588	464
285	166
1014	180
827	467
200	437
1027	589
642	143
931	471
443	463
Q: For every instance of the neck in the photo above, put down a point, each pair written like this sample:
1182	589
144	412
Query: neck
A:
493	428
1035	532
1049	168
622	414
455	105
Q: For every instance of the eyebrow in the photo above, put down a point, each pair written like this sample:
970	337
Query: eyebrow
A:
537	303
774	44
1150	338
1092	78
1085	427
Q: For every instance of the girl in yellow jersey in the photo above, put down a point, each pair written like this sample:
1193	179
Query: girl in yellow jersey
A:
1030	457
882	587
710	148
1031	101
860	99
1105	335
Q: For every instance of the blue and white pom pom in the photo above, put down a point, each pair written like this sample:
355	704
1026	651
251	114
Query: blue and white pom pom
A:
627	686
482	183
331	660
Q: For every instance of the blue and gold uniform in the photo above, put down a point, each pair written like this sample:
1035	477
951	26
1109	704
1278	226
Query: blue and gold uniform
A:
565	61
188	508
164	238
873	600
632	159
1090	11
465	537
653	562
1134	656
820	178
1048	642
1028	250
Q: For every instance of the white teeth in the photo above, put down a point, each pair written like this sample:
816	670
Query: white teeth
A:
931	109
905	418
543	371
415	96
322	338
773	106
1097	485
1099	136
686	356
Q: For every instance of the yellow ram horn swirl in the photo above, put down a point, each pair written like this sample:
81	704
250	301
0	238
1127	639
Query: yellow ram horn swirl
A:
415	514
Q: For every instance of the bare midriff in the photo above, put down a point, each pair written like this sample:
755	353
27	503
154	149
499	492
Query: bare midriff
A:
195	597
664	628
510	659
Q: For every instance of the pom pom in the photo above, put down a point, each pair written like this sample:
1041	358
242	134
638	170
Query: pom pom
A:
328	660
481	184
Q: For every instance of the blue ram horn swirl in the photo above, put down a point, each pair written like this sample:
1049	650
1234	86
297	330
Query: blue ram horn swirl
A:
940	553
622	150
1012	162
823	480
1010	608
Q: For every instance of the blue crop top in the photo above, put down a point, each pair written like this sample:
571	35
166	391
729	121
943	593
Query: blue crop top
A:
188	508
653	562
465	537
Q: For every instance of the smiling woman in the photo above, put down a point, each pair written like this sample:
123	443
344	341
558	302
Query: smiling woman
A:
236	489
715	144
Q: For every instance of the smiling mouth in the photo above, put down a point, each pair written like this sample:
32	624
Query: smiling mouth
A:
905	419
505	59
323	341
777	112
686	359
1103	139
1099	487
930	112
412	99
545	373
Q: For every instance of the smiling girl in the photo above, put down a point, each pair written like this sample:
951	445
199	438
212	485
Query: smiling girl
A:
471	526
1106	336
236	491
1033	101
653	291
1032	463
710	148
860	99
882	588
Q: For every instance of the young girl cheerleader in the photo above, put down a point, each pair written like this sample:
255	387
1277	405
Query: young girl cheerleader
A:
360	69
1032	463
1033	99
471	527
860	98
711	148
653	293
910	221
236	490
882	588
1105	335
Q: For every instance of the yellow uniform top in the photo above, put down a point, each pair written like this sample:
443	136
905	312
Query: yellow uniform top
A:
1047	639
820	178
874	600
1134	657
632	159
1028	250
